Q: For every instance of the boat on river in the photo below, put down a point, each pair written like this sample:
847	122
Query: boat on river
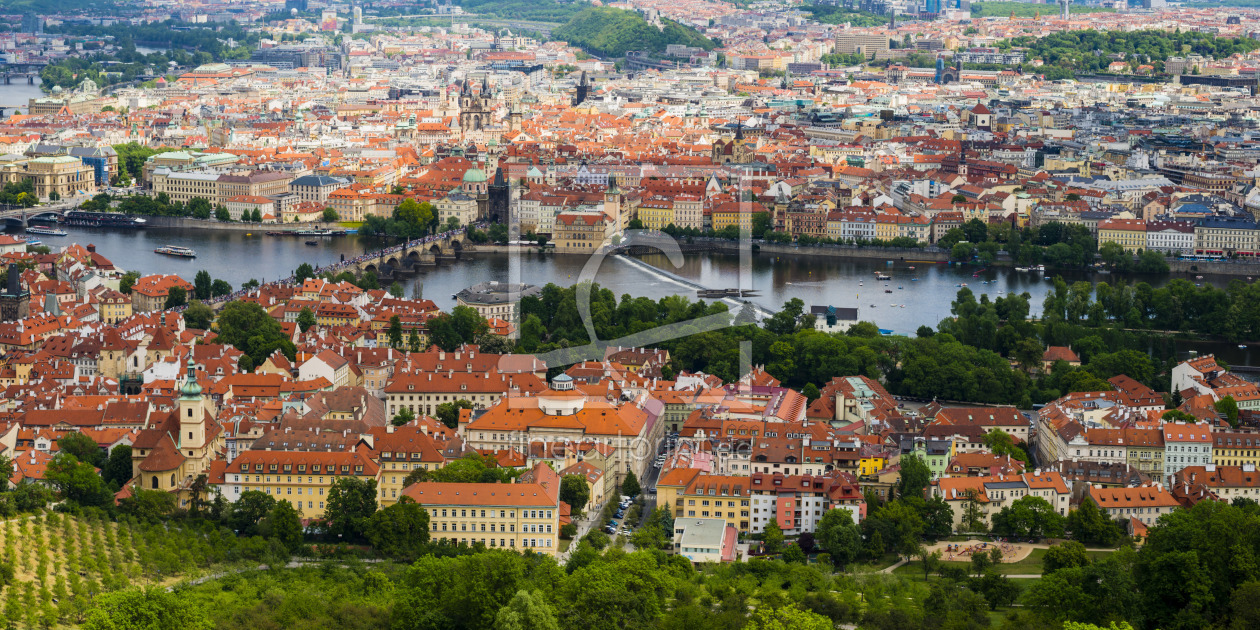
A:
176	250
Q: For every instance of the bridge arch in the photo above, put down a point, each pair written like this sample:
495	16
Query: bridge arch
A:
370	267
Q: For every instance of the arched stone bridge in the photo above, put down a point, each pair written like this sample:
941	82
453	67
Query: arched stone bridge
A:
429	251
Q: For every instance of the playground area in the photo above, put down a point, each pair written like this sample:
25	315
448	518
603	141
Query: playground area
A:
962	551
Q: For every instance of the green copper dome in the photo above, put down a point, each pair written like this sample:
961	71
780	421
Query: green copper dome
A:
190	389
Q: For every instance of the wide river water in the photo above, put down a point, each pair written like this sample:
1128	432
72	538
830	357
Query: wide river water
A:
238	256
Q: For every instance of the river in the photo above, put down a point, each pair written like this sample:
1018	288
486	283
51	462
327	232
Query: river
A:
919	295
18	95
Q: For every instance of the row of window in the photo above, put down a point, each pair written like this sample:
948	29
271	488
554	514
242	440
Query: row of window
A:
301	468
467	513
509	542
507	528
743	513
288	479
705	503
311	491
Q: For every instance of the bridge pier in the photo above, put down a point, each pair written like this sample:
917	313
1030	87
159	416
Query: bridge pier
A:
30	79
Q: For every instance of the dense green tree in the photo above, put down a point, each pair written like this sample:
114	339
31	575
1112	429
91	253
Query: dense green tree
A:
1228	407
914	478
249	511
198	316
201	285
175	298
528	610
772	537
840	536
250	329
1028	516
630	485
404	416
1067	554
77	481
29	497
899	526
1090	525
303	272
155	608
395	332
199	208
575	492
305	319
448	412
283	523
127	281
1001	443
787	618
399	531
151	506
351	503
82	447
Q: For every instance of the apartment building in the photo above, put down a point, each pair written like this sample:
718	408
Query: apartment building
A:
399	451
1127	233
299	477
421	393
993	493
521	516
150	292
689	493
1144	503
217	188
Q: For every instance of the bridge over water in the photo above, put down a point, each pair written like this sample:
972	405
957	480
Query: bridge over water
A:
23	216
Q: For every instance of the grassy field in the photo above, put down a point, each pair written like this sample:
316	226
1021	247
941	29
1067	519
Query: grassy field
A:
1033	564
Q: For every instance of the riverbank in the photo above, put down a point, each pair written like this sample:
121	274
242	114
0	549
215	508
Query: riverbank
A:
1239	269
188	223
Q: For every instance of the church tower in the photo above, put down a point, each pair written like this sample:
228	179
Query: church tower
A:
498	198
474	112
514	118
583	88
612	200
192	412
15	300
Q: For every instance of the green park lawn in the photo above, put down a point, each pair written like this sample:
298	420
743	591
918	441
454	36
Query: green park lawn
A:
1033	564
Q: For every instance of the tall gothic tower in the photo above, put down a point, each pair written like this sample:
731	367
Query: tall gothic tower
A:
583	89
474	110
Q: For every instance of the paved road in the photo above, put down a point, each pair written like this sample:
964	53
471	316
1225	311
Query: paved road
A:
584	525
